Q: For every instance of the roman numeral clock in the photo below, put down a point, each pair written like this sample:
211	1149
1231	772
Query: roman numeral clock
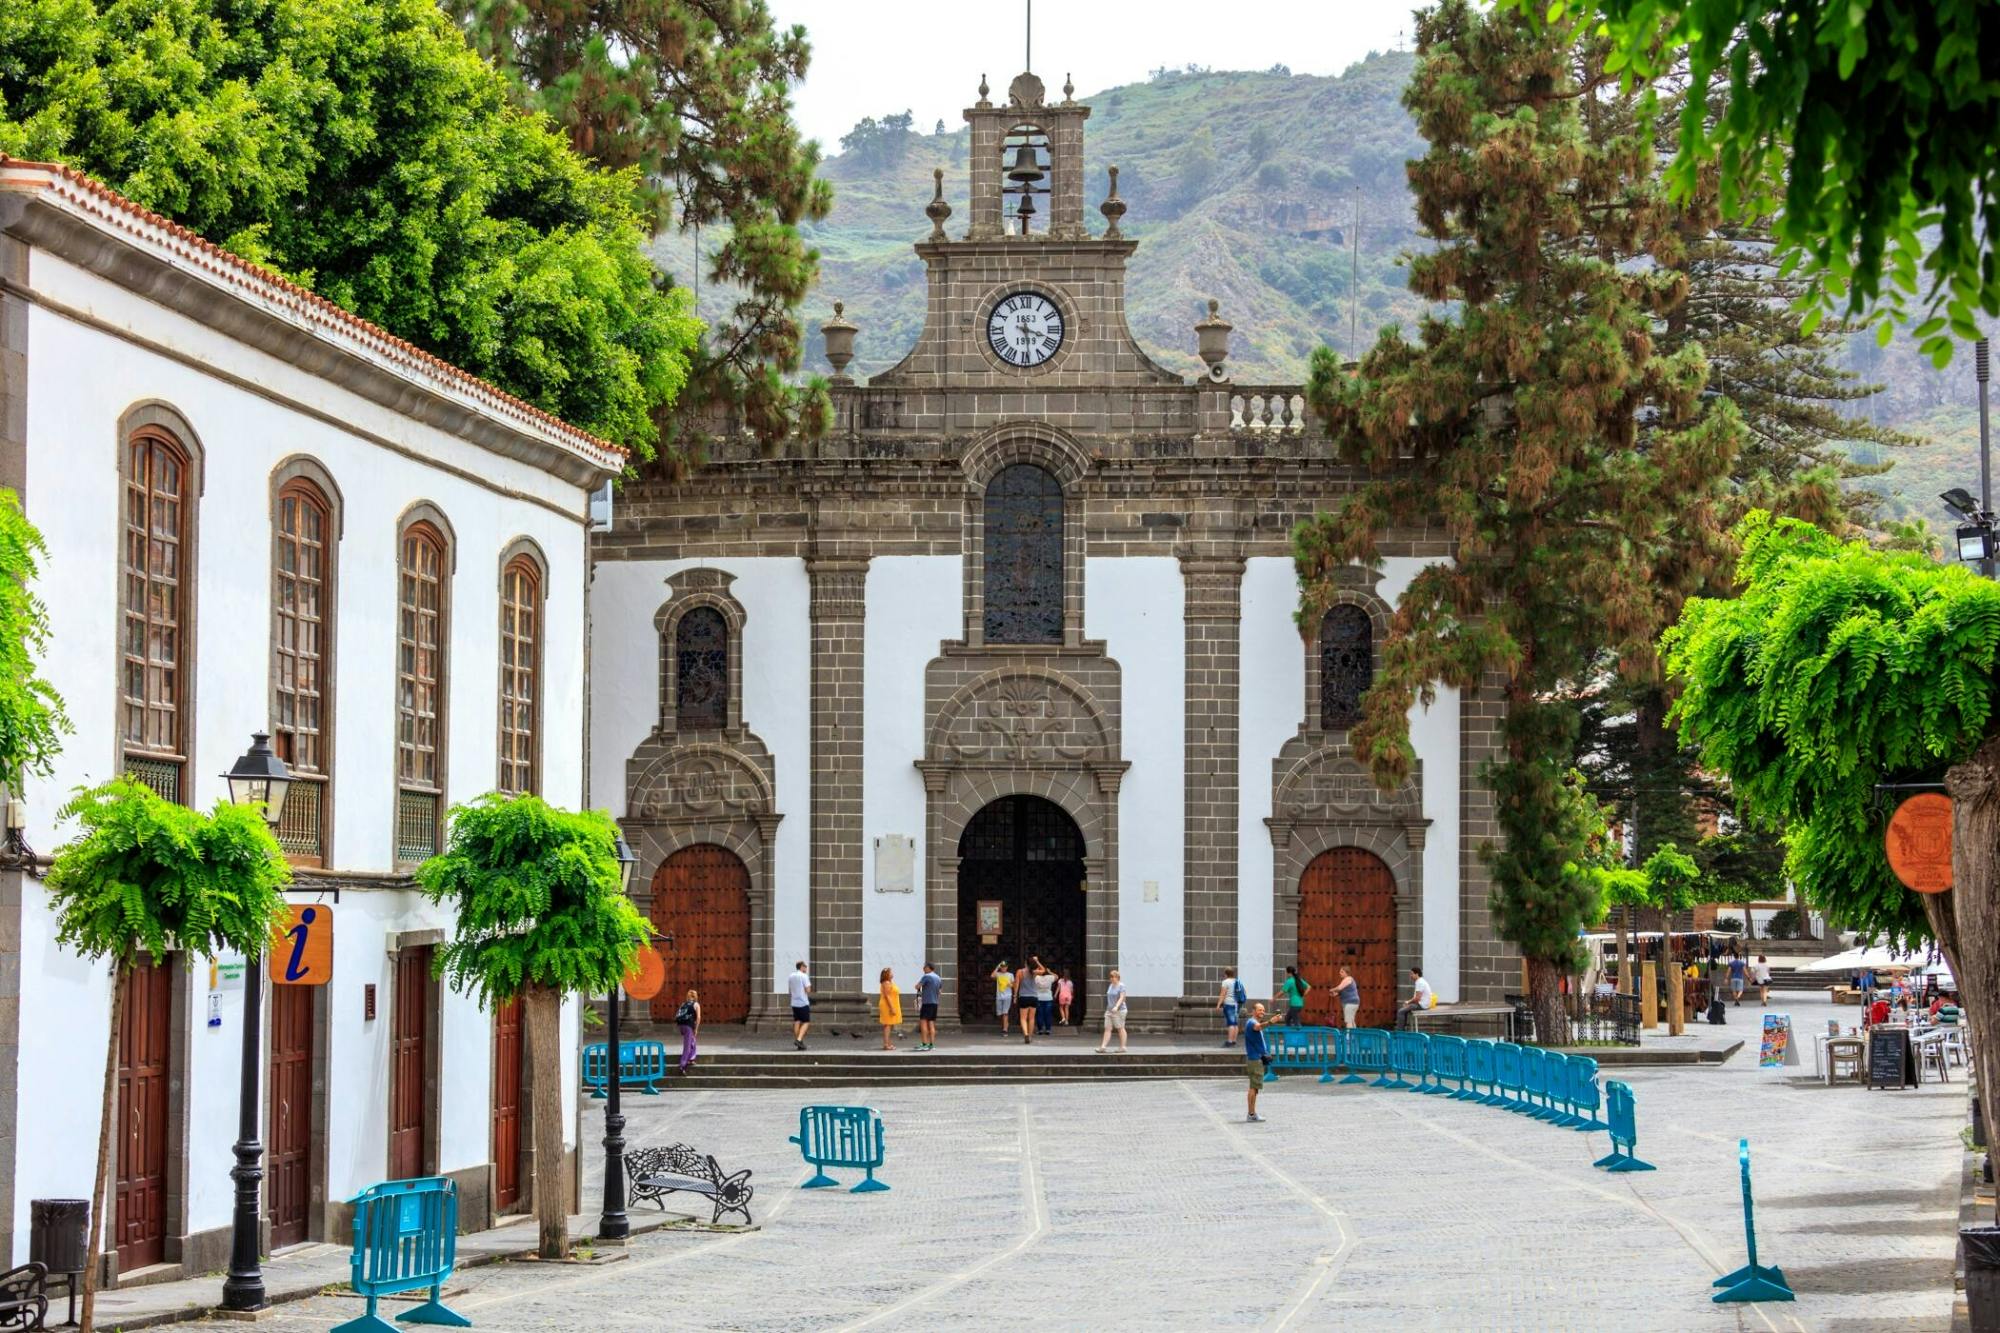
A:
1025	329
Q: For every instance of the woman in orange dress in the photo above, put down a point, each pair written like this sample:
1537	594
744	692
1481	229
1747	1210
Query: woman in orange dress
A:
889	1009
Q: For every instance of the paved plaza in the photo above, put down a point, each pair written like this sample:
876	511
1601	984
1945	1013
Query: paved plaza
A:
1153	1205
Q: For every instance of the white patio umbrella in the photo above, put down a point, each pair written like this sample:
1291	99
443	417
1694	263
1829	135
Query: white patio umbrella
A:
1855	960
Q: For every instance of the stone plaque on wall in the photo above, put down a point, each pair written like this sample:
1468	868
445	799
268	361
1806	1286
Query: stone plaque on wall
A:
895	864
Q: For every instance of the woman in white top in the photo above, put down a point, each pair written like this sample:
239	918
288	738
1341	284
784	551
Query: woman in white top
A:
1114	1013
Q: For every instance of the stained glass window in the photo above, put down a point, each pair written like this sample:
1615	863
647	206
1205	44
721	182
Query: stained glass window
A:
1024	556
701	671
1346	665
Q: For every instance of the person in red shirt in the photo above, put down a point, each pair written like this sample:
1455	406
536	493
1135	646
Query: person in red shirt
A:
1878	1012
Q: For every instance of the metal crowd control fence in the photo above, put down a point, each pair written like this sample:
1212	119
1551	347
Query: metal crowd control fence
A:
1624	1130
1534	1078
1447	1062
641	1064
1300	1048
1409	1053
405	1239
1752	1282
1368	1053
1479	1070
1584	1093
842	1136
1507	1075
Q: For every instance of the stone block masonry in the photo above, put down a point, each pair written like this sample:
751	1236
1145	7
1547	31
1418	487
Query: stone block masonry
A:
838	843
1212	619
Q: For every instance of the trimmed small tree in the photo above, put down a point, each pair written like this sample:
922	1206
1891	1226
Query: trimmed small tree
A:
541	913
152	878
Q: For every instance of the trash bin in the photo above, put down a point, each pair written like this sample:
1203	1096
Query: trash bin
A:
1982	1276
59	1234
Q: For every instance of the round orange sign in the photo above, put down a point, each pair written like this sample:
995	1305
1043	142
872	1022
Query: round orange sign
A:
648	973
1919	842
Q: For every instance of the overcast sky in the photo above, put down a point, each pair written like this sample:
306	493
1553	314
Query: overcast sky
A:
880	57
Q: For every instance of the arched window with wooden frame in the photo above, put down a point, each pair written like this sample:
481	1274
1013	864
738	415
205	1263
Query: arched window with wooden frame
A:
701	671
302	601
1024	556
156	726
1346	665
520	675
422	636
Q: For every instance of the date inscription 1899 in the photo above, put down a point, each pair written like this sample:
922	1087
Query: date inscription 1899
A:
1025	329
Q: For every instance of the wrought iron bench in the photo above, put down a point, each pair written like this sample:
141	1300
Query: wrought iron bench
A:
655	1173
24	1301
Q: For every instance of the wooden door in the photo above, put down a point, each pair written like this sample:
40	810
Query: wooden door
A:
1347	917
701	897
1025	853
409	1064
288	1167
145	1062
507	1107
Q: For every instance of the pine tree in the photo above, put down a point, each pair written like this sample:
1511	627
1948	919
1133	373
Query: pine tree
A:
1516	426
695	94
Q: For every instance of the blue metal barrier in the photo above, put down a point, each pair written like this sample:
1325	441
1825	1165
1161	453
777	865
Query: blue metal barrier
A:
1752	1282
1336	1052
1562	1090
1584	1093
1507	1075
405	1239
1297	1048
1534	1081
842	1136
1624	1129
1479	1070
1368	1053
1410	1054
641	1064
1447	1062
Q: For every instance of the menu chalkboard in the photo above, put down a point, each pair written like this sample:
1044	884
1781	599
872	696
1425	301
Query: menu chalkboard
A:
1890	1062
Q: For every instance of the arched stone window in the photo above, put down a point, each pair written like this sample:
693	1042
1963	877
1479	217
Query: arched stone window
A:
1346	665
156	596
305	532
520	674
1024	556
701	671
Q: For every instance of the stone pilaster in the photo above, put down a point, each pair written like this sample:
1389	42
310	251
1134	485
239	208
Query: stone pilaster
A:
838	607
1488	966
1213	613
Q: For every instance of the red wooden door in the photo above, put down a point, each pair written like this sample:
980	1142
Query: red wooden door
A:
288	1169
1347	917
507	1107
701	897
409	1064
145	1061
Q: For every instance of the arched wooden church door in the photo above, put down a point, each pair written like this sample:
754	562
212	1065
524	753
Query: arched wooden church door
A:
1347	917
701	897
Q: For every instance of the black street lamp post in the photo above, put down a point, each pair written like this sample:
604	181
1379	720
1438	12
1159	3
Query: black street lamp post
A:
259	779
612	1224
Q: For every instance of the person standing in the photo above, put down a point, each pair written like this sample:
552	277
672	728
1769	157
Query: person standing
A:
1003	995
1735	975
1114	1013
930	986
1230	1003
1421	998
889	1009
1253	1058
1024	1003
1065	996
1294	989
688	1019
1045	1000
1349	991
802	1015
1761	973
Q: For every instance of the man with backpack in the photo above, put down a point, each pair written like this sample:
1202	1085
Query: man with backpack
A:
1231	1003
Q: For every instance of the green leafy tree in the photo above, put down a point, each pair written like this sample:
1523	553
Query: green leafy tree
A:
694	96
32	720
1516	427
1836	669
1197	166
361	148
541	913
149	879
1870	122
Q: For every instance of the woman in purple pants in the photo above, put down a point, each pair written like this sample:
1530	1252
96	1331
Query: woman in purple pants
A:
688	1019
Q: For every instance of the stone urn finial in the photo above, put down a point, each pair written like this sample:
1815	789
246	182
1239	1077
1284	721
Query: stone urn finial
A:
839	335
1212	340
1113	208
937	210
984	92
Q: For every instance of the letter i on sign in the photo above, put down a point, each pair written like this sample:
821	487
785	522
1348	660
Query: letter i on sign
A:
302	951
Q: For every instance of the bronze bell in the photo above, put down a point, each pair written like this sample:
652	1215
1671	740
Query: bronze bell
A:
1027	168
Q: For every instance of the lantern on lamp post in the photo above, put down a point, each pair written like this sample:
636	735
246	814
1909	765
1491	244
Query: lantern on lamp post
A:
612	1224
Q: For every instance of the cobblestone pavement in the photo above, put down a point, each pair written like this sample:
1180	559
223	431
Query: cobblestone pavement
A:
1142	1206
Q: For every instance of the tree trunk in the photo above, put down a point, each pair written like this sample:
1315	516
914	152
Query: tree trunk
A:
541	1012
1545	996
1628	969
1972	946
95	1250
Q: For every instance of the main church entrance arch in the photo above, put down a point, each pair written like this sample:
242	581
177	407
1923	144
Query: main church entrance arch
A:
701	901
1024	856
1347	918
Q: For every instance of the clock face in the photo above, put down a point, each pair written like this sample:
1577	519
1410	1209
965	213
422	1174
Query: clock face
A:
1025	329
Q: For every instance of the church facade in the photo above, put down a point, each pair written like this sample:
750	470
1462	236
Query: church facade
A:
1006	664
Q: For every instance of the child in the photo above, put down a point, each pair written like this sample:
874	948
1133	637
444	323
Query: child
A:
1003	993
688	1019
1065	993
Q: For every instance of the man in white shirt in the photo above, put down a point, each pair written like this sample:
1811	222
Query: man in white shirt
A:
1420	998
801	988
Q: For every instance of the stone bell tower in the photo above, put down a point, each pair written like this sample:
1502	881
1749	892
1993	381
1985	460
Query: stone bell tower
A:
1027	133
